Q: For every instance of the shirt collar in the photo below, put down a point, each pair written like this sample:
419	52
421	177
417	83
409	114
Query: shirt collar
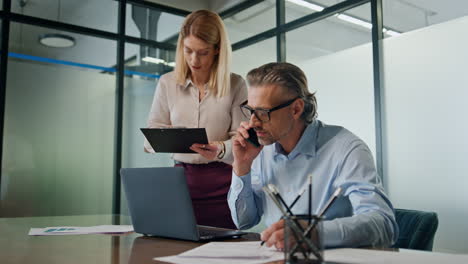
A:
187	83
306	145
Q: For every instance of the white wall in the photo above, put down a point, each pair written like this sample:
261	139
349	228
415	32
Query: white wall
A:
426	144
253	56
424	125
343	83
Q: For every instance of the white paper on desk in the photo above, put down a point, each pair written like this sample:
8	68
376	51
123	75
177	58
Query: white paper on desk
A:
228	253
366	256
80	230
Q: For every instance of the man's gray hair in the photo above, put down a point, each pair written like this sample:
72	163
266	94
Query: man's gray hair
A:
292	79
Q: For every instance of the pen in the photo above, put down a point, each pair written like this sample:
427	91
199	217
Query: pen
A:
310	198
297	228
275	192
269	189
292	204
335	195
297	198
330	201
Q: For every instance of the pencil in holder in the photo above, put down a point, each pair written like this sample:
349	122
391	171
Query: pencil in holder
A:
303	239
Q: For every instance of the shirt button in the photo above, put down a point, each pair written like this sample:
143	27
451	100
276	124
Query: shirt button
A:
238	186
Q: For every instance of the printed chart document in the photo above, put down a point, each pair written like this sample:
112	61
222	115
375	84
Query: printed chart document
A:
227	253
80	230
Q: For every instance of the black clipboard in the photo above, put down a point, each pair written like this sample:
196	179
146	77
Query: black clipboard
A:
174	140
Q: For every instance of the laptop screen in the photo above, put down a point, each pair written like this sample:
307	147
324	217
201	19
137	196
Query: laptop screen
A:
159	202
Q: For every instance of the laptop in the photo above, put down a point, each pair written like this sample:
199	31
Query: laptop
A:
159	203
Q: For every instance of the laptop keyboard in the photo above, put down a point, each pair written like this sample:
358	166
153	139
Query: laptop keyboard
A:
211	233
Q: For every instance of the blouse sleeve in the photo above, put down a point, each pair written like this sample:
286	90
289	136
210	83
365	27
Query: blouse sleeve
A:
239	96
159	115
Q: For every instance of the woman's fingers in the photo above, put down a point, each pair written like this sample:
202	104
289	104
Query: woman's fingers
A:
208	151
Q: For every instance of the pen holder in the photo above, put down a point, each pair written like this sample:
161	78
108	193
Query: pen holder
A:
303	239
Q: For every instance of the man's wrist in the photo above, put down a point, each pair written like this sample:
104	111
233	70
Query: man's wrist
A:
241	170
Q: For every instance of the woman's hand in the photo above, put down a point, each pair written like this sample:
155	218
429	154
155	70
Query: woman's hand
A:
147	147
146	150
209	151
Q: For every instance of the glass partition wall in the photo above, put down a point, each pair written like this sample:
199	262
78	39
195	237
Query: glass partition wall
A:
326	60
59	133
58	129
77	80
74	122
64	132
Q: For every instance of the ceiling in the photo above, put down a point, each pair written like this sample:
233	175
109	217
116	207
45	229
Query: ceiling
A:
317	39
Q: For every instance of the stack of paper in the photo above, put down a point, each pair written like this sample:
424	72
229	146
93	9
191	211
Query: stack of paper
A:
81	230
367	256
228	253
252	253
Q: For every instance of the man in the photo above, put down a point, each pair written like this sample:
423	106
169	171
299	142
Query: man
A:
294	145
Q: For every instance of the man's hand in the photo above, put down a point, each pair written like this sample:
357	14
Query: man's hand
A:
244	152
274	235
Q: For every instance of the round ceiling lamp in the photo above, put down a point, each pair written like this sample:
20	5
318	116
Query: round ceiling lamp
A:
56	40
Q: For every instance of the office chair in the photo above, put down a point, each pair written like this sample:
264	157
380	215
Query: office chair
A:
417	229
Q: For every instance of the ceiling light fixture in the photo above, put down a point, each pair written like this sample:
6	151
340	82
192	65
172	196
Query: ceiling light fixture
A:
355	21
153	60
392	33
349	19
56	40
158	61
307	4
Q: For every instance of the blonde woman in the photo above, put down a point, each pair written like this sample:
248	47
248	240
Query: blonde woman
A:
202	92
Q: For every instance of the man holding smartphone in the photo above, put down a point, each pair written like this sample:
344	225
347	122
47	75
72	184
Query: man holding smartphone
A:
293	145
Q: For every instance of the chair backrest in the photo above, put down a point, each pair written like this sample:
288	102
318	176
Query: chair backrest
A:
417	229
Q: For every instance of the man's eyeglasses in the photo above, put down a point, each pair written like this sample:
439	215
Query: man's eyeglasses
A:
263	114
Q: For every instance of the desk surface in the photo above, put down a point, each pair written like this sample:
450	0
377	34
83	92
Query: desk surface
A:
16	246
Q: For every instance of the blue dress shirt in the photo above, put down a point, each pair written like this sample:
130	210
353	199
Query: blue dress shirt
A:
335	157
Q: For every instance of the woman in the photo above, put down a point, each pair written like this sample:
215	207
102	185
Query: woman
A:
202	92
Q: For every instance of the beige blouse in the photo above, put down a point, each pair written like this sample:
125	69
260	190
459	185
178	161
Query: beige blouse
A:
179	106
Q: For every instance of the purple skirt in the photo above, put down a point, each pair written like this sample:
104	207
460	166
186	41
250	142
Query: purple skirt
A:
208	185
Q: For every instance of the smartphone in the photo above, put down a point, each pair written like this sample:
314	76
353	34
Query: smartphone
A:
253	139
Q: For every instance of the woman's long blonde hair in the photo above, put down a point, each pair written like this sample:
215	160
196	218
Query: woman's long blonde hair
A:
209	27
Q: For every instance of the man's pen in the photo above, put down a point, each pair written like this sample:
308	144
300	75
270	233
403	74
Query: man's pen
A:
322	212
297	198
332	199
291	206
